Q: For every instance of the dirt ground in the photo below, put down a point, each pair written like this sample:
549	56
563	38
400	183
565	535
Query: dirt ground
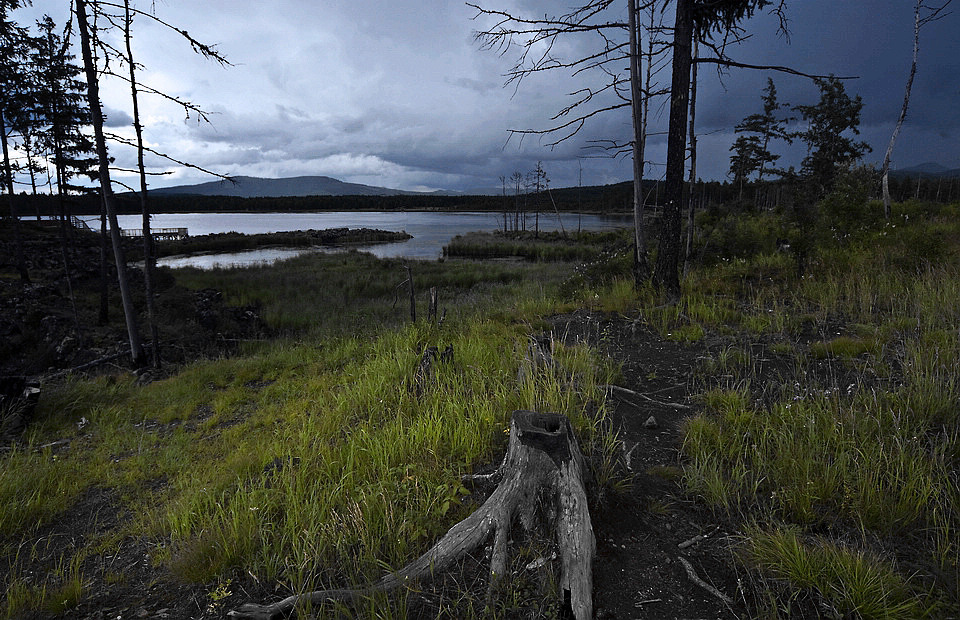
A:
639	570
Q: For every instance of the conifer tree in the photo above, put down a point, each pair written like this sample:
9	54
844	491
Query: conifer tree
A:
63	111
14	98
751	149
831	121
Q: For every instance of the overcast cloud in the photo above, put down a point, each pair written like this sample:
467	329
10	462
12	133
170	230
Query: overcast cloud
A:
400	94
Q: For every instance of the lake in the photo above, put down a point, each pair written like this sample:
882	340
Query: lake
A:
431	230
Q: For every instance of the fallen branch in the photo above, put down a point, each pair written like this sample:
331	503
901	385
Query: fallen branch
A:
696	539
543	463
662	403
692	574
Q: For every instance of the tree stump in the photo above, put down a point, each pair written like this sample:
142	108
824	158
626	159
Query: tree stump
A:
18	399
541	486
425	375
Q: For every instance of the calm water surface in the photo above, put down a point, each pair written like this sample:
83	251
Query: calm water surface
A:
430	230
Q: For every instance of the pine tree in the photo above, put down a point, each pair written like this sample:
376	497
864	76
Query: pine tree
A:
830	123
751	149
14	98
63	110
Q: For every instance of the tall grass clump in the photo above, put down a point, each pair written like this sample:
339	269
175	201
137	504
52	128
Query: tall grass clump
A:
844	582
864	451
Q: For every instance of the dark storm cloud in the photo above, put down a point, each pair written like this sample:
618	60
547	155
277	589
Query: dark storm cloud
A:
116	118
399	95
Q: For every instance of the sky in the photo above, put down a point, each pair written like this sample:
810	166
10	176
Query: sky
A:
401	94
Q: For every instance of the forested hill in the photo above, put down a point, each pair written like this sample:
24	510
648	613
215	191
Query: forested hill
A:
602	198
256	187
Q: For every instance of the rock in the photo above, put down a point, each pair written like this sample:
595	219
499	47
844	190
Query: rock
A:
67	346
144	377
651	423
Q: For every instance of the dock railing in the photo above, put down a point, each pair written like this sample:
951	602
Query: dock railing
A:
160	234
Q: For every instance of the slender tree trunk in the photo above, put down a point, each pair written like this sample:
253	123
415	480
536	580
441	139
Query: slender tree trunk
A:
885	169
30	168
149	260
65	245
15	220
641	267
691	210
104	316
666	269
93	97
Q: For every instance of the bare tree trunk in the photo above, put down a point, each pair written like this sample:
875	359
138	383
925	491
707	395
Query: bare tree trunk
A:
149	259
641	267
413	296
885	169
666	269
104	316
691	209
96	113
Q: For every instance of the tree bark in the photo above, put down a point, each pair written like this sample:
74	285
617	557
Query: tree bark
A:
149	256
543	460
665	273
413	295
641	268
885	169
96	113
691	207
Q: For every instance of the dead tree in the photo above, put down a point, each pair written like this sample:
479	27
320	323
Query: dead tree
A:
641	268
149	255
691	204
93	98
932	14
90	42
541	484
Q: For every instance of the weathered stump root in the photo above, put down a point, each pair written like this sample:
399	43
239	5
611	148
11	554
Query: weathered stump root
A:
543	462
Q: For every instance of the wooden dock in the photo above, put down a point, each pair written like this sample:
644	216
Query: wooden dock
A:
159	234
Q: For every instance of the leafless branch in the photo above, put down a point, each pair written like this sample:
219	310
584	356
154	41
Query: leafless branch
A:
155	174
207	51
121	140
743	65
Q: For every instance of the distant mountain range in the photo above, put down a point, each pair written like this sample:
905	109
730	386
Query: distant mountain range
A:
928	169
256	187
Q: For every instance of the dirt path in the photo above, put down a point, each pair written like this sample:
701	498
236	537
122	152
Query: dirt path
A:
638	571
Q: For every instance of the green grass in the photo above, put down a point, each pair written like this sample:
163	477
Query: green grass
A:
829	415
850	583
862	450
328	294
309	460
552	246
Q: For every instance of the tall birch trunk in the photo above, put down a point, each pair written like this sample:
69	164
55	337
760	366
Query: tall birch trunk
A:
885	169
